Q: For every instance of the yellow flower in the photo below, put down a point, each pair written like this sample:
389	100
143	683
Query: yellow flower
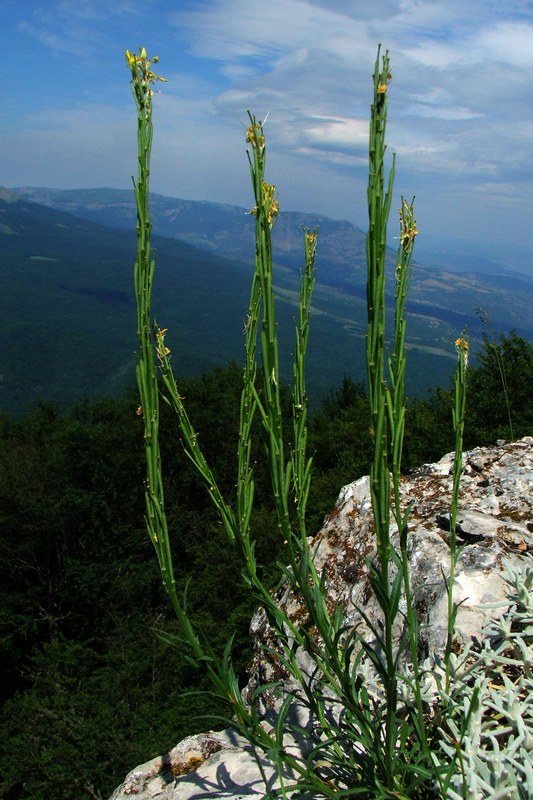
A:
160	348
408	229
141	72
382	87
311	239
130	58
270	202
462	345
254	136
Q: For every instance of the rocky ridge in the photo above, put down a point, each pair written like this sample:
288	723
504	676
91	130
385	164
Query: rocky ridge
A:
495	528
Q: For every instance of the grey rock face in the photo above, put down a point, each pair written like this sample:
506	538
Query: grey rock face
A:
208	765
495	525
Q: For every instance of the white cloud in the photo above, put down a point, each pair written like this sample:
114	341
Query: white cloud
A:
461	113
227	30
342	133
507	42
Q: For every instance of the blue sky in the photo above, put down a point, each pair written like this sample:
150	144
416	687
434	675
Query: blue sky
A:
460	104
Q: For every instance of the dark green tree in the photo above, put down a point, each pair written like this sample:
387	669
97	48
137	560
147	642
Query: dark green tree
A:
499	404
82	595
341	445
499	390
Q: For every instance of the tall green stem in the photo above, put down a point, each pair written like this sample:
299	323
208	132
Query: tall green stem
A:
156	521
379	202
266	211
459	409
301	466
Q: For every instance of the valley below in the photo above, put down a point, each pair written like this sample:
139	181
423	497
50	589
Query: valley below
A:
67	307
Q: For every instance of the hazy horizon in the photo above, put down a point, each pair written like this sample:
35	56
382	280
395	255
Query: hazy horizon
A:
436	252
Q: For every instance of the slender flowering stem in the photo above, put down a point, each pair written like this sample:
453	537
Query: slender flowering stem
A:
266	211
459	410
142	80
397	364
396	406
379	202
301	466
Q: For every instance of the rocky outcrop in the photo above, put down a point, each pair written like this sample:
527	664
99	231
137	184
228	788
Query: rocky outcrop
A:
211	764
495	526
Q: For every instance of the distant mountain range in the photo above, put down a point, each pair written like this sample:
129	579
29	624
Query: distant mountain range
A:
68	317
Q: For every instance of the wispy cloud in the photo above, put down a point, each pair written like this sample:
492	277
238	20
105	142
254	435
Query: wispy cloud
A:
461	113
78	26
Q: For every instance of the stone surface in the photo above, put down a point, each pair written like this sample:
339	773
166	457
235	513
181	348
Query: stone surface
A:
495	525
207	765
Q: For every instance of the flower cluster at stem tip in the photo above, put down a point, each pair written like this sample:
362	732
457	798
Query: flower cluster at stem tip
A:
143	76
462	345
255	137
161	349
408	229
311	238
382	87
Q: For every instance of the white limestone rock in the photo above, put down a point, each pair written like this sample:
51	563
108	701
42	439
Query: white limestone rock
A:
495	524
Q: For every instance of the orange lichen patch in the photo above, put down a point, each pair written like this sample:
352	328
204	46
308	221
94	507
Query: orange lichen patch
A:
191	765
187	762
513	514
334	514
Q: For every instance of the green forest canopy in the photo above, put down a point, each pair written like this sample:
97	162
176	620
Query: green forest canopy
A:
87	689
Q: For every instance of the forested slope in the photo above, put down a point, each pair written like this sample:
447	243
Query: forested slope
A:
87	687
